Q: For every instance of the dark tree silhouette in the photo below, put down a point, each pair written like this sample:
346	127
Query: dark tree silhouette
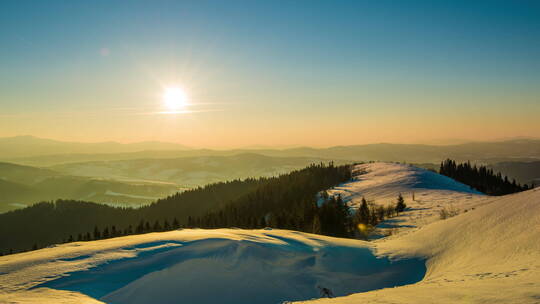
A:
480	178
400	204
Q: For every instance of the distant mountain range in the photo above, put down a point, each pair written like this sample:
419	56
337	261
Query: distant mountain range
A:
43	152
28	146
36	169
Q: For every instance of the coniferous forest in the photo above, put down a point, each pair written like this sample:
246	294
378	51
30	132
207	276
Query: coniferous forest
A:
287	201
297	201
480	178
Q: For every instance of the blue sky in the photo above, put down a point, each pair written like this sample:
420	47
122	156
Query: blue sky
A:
279	65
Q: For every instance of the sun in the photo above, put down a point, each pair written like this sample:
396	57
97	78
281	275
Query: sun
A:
175	98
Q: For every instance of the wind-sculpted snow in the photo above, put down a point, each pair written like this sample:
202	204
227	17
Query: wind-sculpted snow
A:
202	266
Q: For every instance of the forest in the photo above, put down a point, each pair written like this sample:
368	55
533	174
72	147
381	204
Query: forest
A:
297	201
283	201
480	178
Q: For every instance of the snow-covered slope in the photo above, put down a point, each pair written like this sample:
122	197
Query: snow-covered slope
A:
380	183
201	266
489	253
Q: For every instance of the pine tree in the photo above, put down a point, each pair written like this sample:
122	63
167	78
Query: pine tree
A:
166	226
400	205
157	226
97	233
105	234
362	214
140	227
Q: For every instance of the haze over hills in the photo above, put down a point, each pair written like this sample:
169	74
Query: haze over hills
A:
523	171
126	173
40	152
140	173
21	186
133	182
190	172
28	146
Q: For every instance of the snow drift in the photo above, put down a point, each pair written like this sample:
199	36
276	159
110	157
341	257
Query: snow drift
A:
201	266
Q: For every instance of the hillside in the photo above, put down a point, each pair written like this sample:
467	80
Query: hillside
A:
188	172
21	186
488	253
288	197
382	182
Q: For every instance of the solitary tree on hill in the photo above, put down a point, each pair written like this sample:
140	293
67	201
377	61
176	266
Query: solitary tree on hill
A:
400	206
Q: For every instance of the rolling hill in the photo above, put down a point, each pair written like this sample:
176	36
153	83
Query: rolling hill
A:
189	172
21	186
488	253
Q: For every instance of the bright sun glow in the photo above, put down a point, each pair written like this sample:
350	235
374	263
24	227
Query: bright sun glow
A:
175	99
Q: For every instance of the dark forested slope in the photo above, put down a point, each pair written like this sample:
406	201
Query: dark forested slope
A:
64	220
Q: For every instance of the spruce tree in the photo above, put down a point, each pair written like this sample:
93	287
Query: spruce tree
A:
97	233
400	205
362	214
105	234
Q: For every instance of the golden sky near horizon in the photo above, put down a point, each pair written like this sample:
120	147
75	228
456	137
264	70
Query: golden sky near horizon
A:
259	73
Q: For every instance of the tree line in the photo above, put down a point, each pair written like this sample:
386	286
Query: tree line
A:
480	178
333	218
284	201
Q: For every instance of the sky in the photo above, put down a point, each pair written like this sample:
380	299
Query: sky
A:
272	73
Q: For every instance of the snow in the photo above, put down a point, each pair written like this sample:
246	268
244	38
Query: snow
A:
380	183
488	253
198	266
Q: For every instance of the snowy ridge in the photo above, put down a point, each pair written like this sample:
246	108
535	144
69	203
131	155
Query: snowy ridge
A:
380	183
489	253
383	181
